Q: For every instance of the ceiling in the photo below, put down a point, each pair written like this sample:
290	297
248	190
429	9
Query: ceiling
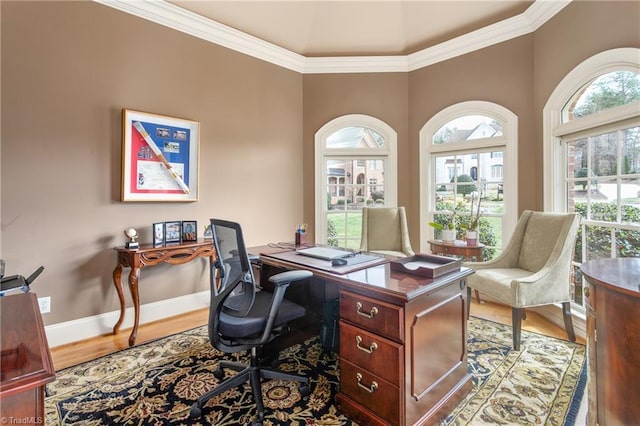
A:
356	28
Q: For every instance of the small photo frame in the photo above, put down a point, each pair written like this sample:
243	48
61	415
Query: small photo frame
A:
172	231
158	234
189	230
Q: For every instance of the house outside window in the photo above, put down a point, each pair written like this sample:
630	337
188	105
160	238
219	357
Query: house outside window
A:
355	168
592	156
469	150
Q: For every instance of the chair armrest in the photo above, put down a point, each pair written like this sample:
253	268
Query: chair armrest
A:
289	277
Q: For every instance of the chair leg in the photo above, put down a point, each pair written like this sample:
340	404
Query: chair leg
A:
568	322
468	301
516	320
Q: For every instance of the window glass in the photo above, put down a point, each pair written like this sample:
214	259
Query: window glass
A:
355	137
469	127
607	91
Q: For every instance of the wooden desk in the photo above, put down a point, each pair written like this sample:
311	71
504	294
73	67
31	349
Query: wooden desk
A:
470	253
25	361
403	341
612	296
148	255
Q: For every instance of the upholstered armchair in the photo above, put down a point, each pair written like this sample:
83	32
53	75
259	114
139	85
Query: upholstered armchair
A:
533	270
384	231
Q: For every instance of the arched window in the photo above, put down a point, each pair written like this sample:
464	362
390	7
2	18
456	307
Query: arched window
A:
469	152
592	155
355	167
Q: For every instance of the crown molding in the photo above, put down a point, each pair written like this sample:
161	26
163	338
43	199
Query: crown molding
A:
171	16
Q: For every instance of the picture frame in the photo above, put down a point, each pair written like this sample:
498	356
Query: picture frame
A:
158	234
189	230
173	231
160	157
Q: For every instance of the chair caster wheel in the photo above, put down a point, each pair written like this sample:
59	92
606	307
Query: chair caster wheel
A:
196	411
304	389
218	373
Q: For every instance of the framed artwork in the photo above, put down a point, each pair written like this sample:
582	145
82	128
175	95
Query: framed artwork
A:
172	231
160	156
158	234
189	230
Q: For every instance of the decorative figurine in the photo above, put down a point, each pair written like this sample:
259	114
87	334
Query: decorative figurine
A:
132	234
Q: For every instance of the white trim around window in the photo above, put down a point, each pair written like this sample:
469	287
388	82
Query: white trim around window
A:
626	58
388	154
507	142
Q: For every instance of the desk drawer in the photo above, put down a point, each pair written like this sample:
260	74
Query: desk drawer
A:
374	393
380	356
374	315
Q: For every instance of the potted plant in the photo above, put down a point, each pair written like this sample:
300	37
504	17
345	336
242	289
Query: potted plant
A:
471	229
447	230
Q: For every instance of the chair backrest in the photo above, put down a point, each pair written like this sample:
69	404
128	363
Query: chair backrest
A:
385	228
232	268
546	235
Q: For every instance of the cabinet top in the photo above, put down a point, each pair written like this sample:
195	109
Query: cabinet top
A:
622	274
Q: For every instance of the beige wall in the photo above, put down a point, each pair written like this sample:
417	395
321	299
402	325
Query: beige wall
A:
68	68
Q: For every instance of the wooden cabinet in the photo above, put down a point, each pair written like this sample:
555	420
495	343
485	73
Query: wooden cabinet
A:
403	364
25	361
612	296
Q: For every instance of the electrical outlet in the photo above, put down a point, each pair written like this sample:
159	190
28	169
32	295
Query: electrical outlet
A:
45	304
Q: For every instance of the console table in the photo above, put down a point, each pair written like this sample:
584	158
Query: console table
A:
472	253
148	255
25	361
612	299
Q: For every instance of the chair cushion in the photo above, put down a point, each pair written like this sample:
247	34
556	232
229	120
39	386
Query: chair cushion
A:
540	237
384	230
256	319
497	283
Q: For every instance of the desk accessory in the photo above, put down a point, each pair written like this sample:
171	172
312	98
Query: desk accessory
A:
133	235
426	265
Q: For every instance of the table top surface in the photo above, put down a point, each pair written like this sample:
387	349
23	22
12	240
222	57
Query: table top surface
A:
621	274
457	244
381	277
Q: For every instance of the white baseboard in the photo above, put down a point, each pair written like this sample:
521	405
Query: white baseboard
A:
98	325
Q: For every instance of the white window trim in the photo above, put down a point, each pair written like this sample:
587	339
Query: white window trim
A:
626	58
389	152
510	164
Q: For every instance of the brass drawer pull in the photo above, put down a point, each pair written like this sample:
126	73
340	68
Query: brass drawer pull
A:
372	347
587	292
374	311
369	389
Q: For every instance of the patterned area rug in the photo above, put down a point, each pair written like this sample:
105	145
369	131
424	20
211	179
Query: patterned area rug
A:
156	383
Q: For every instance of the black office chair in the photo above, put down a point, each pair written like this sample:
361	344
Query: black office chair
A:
244	317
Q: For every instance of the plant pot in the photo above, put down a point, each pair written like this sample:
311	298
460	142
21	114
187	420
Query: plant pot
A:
472	238
448	235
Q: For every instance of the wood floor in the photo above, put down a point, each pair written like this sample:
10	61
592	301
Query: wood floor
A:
86	350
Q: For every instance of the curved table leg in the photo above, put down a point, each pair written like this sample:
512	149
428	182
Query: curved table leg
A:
133	286
117	282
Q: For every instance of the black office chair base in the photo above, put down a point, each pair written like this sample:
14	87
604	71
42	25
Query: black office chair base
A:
253	373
